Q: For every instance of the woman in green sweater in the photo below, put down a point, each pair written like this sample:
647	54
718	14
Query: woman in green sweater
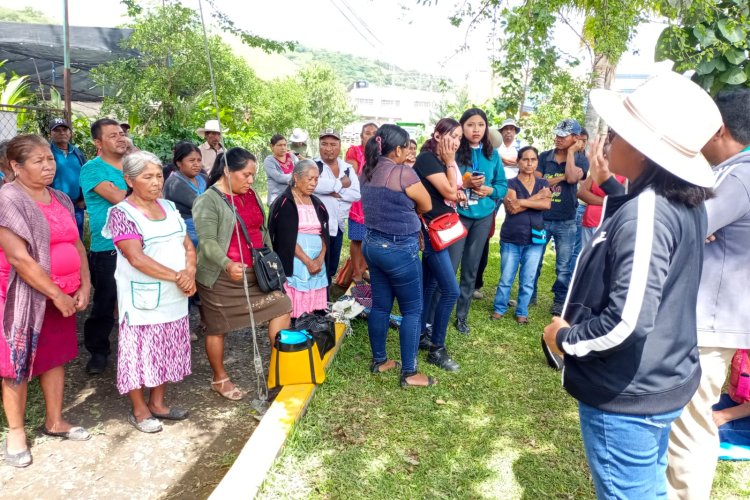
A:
485	185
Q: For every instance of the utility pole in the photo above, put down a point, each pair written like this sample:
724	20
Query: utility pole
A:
67	91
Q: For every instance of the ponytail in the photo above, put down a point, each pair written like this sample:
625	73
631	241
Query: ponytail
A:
387	138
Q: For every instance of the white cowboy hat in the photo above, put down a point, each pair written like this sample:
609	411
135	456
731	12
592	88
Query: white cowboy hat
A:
668	119
211	126
298	135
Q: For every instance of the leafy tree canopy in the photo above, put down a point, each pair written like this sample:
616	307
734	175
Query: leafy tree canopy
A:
25	15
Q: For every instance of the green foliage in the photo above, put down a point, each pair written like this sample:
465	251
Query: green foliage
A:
350	68
327	101
25	15
14	89
566	99
711	37
166	86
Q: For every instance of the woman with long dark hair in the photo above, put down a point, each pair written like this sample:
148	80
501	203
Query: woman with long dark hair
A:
225	259
436	167
391	198
187	182
628	328
483	179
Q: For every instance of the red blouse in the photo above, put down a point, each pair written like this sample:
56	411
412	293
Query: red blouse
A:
252	216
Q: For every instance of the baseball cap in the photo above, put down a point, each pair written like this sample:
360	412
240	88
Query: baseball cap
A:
329	132
567	127
57	122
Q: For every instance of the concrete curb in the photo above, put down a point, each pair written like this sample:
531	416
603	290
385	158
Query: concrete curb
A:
245	477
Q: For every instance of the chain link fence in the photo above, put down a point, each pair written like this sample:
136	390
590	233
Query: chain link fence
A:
15	120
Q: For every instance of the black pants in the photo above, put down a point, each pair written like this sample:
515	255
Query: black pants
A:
334	254
99	325
482	266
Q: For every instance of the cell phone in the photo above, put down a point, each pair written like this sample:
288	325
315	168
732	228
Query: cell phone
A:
346	172
477	174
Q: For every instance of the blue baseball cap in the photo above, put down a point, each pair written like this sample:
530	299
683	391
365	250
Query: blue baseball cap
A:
567	127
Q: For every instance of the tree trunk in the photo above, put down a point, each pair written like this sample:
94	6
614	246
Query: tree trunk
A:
602	75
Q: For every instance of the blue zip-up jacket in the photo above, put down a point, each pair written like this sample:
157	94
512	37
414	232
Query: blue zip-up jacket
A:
632	344
494	176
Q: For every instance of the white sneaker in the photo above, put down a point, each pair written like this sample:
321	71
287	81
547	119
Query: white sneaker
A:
478	294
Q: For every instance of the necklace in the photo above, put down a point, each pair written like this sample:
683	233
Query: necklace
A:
298	198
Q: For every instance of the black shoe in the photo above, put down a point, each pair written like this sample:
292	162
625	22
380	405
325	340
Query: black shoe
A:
97	364
556	309
462	327
442	359
424	341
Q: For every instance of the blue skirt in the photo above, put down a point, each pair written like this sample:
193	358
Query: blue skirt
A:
356	231
301	279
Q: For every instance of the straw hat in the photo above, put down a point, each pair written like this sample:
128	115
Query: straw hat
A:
211	126
298	135
668	119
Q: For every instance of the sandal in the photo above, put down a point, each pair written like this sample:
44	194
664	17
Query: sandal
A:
148	425
233	394
375	366
19	460
522	320
74	434
405	383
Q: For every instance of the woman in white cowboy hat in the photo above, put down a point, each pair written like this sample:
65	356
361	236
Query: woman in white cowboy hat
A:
628	328
212	146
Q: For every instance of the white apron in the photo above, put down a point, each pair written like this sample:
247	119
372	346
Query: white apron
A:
144	299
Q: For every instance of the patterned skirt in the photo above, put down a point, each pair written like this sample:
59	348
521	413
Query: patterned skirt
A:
150	355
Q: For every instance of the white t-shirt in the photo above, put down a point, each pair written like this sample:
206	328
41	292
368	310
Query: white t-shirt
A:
512	152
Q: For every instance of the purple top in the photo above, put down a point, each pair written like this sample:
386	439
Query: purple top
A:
387	207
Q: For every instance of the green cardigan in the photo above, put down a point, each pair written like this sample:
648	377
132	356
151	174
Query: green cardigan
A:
214	224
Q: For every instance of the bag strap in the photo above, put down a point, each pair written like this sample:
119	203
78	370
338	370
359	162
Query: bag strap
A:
310	345
241	222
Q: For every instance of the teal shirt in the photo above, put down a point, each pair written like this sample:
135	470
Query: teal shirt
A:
93	173
494	176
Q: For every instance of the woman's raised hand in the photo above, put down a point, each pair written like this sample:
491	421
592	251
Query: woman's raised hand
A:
598	162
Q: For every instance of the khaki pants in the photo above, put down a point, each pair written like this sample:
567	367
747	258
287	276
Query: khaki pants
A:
694	440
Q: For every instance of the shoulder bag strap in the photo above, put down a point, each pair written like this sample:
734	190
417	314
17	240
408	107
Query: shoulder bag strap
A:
241	222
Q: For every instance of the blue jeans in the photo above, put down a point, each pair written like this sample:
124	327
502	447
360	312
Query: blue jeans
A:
512	257
395	271
564	233
438	273
736	432
78	213
627	454
334	254
578	244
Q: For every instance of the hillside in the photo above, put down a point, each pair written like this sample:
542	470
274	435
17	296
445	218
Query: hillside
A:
352	68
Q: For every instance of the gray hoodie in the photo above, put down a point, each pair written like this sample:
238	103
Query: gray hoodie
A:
724	292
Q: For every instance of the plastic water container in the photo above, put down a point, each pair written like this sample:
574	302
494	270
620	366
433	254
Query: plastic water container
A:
294	336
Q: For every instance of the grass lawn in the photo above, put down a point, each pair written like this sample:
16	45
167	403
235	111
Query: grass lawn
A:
503	427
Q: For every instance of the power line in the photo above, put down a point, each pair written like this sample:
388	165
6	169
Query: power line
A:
353	25
361	21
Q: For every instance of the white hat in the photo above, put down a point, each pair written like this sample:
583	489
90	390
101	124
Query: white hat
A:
496	139
298	135
510	122
211	126
668	119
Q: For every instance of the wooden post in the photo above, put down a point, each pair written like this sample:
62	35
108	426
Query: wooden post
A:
67	91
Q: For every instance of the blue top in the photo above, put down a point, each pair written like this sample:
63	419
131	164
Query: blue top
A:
93	173
494	176
386	206
517	228
68	170
564	201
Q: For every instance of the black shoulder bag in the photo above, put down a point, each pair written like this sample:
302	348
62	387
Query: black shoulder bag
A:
269	272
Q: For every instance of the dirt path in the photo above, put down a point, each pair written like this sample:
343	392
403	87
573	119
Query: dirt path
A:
186	460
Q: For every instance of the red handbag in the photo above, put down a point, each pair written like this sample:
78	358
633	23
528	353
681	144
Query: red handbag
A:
445	230
739	377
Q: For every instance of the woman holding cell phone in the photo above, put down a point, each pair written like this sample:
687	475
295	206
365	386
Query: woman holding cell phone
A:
485	186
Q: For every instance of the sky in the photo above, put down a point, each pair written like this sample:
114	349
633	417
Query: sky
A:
411	36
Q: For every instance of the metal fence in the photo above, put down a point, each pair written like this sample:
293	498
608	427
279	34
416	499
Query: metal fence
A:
15	120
